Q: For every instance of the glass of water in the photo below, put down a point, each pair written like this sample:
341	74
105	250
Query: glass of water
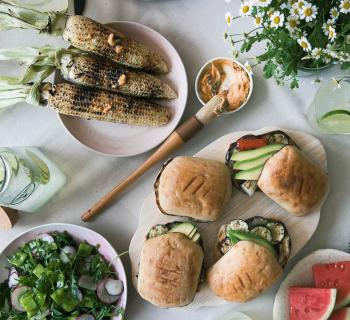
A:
330	109
28	178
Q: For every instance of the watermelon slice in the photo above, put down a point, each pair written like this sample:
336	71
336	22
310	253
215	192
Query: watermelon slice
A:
311	303
334	275
342	314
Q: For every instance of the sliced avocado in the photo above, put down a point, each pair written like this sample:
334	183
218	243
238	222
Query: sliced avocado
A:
196	237
253	163
256	153
252	174
247	236
193	232
185	228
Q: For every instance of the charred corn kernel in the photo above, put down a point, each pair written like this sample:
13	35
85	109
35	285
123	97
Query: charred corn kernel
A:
89	36
133	55
119	49
83	102
111	40
103	74
122	80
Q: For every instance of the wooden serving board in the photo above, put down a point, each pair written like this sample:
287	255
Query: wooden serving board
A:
240	206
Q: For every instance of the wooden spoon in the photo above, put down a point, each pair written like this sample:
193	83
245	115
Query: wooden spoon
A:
214	108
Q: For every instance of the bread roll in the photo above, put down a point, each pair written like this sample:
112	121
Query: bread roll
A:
193	187
169	271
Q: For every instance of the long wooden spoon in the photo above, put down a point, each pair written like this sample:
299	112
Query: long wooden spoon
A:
214	108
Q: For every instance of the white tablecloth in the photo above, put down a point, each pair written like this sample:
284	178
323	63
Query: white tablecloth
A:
196	28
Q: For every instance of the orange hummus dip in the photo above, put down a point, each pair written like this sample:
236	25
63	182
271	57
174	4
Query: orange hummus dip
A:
222	75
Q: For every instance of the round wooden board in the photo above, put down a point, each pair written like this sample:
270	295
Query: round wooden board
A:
241	206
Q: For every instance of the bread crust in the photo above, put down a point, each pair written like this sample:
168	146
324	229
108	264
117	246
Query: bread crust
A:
193	187
293	181
244	272
169	270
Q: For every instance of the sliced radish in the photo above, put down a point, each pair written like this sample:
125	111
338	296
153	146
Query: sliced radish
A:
103	294
79	295
16	296
67	253
45	237
87	282
114	287
13	278
86	317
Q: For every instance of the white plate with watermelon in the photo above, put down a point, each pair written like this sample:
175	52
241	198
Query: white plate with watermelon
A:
317	288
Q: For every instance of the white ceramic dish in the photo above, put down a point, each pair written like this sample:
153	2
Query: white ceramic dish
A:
199	76
300	228
301	275
80	234
120	140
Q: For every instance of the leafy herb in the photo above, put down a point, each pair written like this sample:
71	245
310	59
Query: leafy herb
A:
53	290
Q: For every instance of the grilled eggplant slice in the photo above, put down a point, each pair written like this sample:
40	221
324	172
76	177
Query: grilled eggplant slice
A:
270	232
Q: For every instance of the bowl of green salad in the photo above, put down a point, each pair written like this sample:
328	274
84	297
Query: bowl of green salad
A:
61	271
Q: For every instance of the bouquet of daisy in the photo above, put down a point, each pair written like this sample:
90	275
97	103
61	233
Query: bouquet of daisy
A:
298	34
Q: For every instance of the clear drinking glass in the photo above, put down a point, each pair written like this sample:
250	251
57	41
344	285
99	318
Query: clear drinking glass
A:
330	109
28	178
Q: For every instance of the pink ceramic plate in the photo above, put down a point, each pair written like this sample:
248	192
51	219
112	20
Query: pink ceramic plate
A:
80	234
120	140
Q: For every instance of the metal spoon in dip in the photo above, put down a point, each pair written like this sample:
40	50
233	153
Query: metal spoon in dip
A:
216	106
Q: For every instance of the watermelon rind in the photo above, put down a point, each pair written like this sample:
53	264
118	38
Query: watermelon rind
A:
342	314
331	305
343	303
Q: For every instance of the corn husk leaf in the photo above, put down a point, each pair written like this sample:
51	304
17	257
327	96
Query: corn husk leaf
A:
39	61
11	94
14	16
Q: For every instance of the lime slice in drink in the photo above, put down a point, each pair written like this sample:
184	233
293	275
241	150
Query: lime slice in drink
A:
336	121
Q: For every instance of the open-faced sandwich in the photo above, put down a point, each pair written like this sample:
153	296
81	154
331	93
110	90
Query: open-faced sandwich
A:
253	254
171	265
274	164
193	187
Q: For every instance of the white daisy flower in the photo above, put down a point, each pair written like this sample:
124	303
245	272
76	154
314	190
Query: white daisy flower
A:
292	23
277	19
294	12
344	6
228	18
305	44
246	8
334	13
299	4
291	2
263	3
331	33
248	67
285	6
308	12
258	20
326	26
317	53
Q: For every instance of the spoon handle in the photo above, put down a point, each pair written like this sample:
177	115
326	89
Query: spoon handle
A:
182	134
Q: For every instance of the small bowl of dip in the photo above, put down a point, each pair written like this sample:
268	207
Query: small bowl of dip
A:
220	74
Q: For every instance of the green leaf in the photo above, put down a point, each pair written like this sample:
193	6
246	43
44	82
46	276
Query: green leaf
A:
294	84
345	66
269	69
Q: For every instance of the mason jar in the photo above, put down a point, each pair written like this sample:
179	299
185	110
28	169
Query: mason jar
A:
28	179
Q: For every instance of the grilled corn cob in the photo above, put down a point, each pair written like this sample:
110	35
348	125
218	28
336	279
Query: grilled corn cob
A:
92	71
89	35
87	103
83	33
102	74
